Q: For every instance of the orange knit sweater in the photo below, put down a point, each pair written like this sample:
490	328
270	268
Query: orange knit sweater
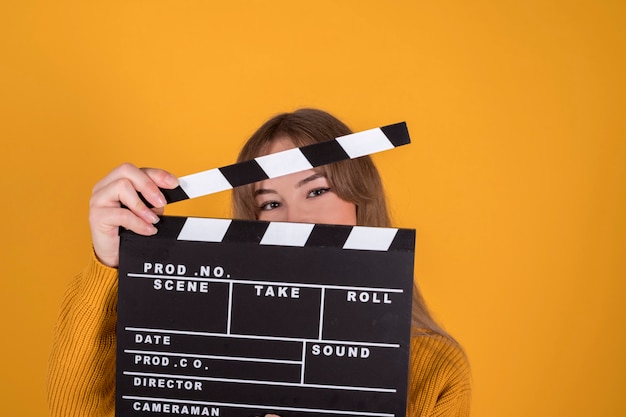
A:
81	374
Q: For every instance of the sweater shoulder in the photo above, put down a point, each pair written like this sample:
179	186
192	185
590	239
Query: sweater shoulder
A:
439	376
441	352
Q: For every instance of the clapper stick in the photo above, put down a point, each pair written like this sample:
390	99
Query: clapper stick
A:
288	162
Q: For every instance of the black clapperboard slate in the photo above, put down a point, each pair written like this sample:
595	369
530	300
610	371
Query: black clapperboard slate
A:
224	317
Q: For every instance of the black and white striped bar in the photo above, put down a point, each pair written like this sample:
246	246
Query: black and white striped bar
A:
287	234
290	161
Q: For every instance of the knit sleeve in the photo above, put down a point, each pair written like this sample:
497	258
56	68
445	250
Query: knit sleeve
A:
81	369
439	378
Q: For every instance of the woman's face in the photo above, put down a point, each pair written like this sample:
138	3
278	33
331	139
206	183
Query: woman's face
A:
303	197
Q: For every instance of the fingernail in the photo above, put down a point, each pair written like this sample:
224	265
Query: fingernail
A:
151	230
160	200
172	181
154	219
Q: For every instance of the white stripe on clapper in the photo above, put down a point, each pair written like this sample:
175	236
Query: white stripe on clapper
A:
370	238
205	182
287	234
283	163
365	143
200	229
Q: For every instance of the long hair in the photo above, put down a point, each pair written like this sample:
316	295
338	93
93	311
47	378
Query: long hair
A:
356	181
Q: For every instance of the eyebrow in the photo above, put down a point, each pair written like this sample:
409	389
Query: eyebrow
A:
300	183
309	179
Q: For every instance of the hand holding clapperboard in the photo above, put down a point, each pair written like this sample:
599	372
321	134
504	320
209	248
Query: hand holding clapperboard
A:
226	317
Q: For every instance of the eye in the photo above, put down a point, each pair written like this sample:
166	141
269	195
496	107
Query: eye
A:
318	192
269	205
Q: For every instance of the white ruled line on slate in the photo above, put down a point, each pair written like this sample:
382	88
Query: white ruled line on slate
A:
256	406
257	382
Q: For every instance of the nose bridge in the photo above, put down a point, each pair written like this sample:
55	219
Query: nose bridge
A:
292	215
295	213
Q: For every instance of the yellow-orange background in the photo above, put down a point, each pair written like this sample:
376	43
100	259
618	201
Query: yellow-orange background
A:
515	181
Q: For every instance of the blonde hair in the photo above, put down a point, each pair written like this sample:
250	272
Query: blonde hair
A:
356	181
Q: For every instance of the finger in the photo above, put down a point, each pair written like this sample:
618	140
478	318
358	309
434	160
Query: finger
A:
158	210
145	181
123	192
111	219
161	178
105	223
122	171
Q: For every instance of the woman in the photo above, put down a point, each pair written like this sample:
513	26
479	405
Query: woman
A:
81	378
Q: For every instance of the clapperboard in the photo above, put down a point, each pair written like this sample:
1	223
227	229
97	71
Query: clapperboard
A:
221	317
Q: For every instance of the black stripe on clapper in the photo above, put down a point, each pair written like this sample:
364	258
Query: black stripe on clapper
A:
324	153
328	236
398	134
244	173
403	241
169	227
245	231
171	196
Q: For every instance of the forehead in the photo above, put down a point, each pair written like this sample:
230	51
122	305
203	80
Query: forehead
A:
291	181
279	144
